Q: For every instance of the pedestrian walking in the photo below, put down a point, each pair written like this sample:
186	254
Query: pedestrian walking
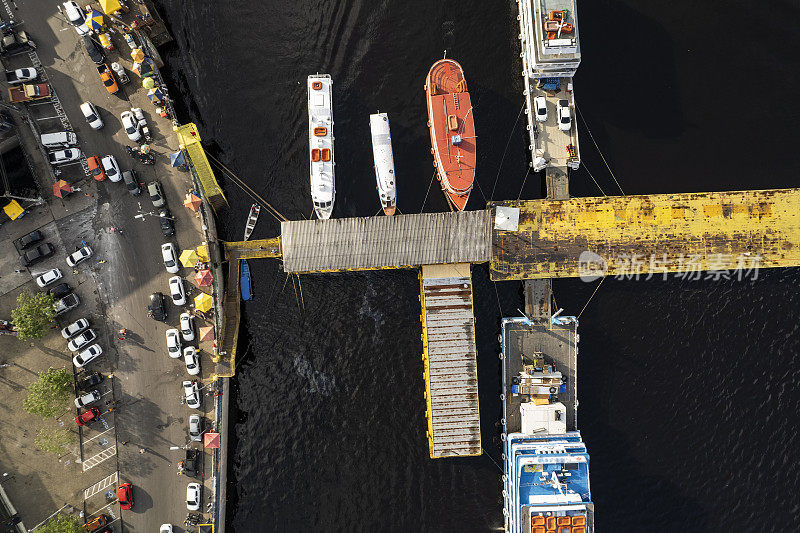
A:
142	450
18	271
124	442
102	261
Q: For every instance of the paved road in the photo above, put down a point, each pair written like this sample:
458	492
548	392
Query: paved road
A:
151	415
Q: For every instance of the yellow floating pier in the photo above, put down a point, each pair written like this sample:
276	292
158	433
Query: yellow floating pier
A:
189	140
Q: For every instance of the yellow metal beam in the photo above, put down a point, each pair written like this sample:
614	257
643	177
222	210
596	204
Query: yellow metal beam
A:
260	248
189	141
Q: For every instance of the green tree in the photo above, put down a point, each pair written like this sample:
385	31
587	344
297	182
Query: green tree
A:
48	394
33	315
52	440
62	523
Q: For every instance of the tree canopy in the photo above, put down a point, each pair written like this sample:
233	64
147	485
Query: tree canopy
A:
48	395
53	440
62	523
33	315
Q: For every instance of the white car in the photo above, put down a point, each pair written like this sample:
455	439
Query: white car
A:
173	343
49	277
75	16
193	496
165	528
195	428
192	360
540	105
87	398
75	328
81	340
177	291
59	157
187	327
80	255
170	256
191	394
87	356
91	115
112	168
564	116
131	126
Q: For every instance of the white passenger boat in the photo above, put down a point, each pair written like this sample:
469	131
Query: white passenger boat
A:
320	143
384	161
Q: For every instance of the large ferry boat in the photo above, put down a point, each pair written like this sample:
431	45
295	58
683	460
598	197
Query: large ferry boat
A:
452	130
320	143
384	161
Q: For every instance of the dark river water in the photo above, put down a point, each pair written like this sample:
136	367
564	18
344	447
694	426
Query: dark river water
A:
688	389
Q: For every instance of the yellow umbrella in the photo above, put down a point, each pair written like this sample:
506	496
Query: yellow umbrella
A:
110	6
202	252
188	258
203	302
137	55
148	83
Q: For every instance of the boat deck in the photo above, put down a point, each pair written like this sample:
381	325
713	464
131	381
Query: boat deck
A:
547	141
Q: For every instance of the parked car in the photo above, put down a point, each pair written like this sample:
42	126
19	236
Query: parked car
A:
67	303
31	257
86	399
92	380
125	496
58	139
165	528
132	127
75	328
107	77
49	277
60	157
87	416
75	16
191	394
92	115
177	290
156	194
96	168
131	182
79	341
81	255
165	220
112	168
192	360
187	327
27	240
156	307
173	343
60	290
540	105
196	428
193	496
170	257
191	462
87	356
94	50
21	75
564	116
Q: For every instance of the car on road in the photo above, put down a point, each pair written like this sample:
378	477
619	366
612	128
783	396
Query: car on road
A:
125	496
193	496
112	168
79	341
131	125
165	220
60	290
196	428
564	115
191	394
96	168
27	240
94	525
75	328
177	290
131	182
59	157
187	327
156	194
165	528
92	115
87	356
31	257
540	105
87	416
156	307
170	257
86	399
94	50
75	16
49	277
107	77
191	460
93	379
66	303
173	343
192	360
81	255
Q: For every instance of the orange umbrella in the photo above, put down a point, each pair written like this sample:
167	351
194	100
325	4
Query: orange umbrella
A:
207	333
211	440
192	201
204	278
61	187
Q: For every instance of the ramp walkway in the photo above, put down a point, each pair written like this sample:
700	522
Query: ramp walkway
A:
189	141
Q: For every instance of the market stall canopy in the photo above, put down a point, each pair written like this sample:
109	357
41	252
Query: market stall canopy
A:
148	83
204	278
143	68
110	6
211	440
137	54
155	94
188	258
13	210
176	159
203	302
202	252
61	187
95	20
192	201
207	333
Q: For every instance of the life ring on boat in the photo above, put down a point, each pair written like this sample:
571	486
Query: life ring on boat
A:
316	85
320	131
326	154
461	86
315	154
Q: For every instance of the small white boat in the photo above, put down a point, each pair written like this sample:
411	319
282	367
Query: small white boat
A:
320	143
384	161
252	218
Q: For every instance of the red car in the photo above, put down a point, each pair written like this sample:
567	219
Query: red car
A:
96	168
87	416
125	496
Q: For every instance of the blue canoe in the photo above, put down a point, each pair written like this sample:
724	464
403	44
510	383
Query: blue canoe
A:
244	280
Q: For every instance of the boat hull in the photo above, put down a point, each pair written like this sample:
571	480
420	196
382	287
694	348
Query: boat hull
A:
244	280
384	161
320	144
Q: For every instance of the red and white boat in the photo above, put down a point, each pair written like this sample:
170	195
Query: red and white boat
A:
452	130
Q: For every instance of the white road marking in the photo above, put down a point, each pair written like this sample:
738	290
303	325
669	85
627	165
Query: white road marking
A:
98	435
98	458
100	486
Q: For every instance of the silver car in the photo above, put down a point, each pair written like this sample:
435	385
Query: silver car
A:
79	341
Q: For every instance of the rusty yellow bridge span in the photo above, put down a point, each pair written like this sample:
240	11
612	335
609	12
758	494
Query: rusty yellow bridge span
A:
262	248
